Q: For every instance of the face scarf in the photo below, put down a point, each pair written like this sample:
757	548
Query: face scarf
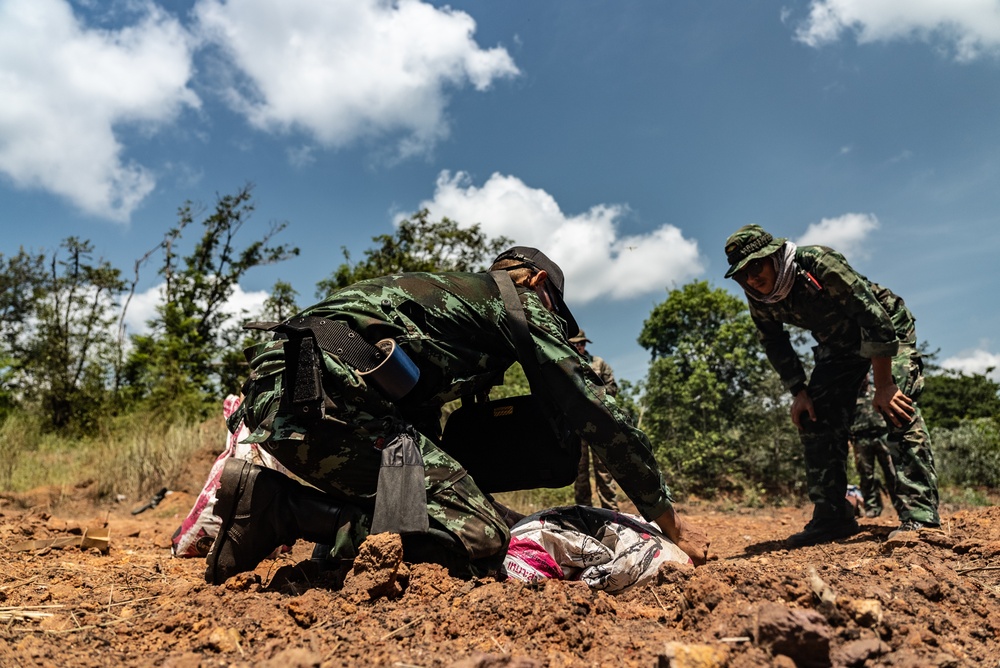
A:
785	269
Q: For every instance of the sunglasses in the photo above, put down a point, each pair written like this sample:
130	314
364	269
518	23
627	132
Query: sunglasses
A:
752	269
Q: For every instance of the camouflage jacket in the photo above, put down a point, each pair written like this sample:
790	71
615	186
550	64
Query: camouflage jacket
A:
455	329
846	313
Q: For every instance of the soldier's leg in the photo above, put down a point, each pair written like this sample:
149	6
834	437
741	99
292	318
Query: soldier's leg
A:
581	486
606	488
833	388
910	446
341	455
884	458
865	446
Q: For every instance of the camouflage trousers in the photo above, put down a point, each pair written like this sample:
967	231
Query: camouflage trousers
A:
605	482
340	454
871	448
833	388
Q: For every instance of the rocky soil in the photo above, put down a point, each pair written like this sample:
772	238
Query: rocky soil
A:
108	593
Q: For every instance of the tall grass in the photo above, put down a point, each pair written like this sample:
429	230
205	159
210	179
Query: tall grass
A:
141	457
133	459
30	457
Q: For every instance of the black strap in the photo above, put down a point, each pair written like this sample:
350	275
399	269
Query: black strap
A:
336	338
519	324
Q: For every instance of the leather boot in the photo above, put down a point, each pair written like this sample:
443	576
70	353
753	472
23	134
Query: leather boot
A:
261	510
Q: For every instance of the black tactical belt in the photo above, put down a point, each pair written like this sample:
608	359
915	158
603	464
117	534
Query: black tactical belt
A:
307	336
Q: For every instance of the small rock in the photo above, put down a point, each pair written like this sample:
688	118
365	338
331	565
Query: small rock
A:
865	612
680	655
802	635
857	652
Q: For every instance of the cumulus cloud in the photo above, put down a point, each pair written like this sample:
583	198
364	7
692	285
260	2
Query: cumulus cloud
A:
66	88
142	307
848	234
967	28
975	362
340	70
597	260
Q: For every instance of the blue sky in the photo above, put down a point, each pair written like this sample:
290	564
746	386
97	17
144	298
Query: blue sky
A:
627	139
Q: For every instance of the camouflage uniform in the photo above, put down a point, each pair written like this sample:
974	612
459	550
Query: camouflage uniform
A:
852	320
869	438
456	330
605	482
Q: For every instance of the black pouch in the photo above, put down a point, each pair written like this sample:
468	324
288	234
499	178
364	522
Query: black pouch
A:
509	444
304	378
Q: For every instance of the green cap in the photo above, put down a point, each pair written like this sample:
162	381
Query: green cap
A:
749	243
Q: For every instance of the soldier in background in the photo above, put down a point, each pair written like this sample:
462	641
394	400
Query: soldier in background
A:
870	441
859	326
606	491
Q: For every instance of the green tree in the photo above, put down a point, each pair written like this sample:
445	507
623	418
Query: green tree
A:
177	366
713	408
233	367
418	245
69	354
22	286
951	397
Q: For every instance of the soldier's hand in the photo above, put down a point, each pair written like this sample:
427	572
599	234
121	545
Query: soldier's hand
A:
893	404
802	405
692	540
695	543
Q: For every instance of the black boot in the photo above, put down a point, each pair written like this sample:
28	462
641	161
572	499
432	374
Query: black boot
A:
261	510
823	530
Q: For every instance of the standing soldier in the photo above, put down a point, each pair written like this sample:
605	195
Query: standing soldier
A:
606	493
870	441
858	326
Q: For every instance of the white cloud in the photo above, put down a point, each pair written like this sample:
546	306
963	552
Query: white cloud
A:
847	234
967	28
64	89
587	246
142	307
341	70
975	362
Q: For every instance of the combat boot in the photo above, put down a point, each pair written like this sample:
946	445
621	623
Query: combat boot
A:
262	509
823	530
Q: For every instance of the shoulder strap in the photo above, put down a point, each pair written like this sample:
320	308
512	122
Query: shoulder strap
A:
519	323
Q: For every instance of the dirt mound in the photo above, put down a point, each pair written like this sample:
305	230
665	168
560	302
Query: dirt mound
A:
865	601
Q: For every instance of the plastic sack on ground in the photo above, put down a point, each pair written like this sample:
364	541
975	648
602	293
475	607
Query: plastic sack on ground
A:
608	550
198	530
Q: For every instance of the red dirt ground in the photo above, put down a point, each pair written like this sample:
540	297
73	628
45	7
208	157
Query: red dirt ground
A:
864	601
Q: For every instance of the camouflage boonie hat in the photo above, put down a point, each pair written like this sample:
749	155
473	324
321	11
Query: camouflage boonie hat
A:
749	243
580	338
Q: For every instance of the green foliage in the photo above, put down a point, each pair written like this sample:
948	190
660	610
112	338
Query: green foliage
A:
61	344
418	245
950	397
22	286
713	407
176	369
969	454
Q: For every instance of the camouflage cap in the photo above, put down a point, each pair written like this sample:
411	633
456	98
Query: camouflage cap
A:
748	243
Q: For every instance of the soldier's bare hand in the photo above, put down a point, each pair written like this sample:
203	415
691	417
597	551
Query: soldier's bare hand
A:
692	540
893	404
802	405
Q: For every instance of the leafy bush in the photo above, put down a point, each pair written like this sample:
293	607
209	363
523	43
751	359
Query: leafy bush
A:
969	454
